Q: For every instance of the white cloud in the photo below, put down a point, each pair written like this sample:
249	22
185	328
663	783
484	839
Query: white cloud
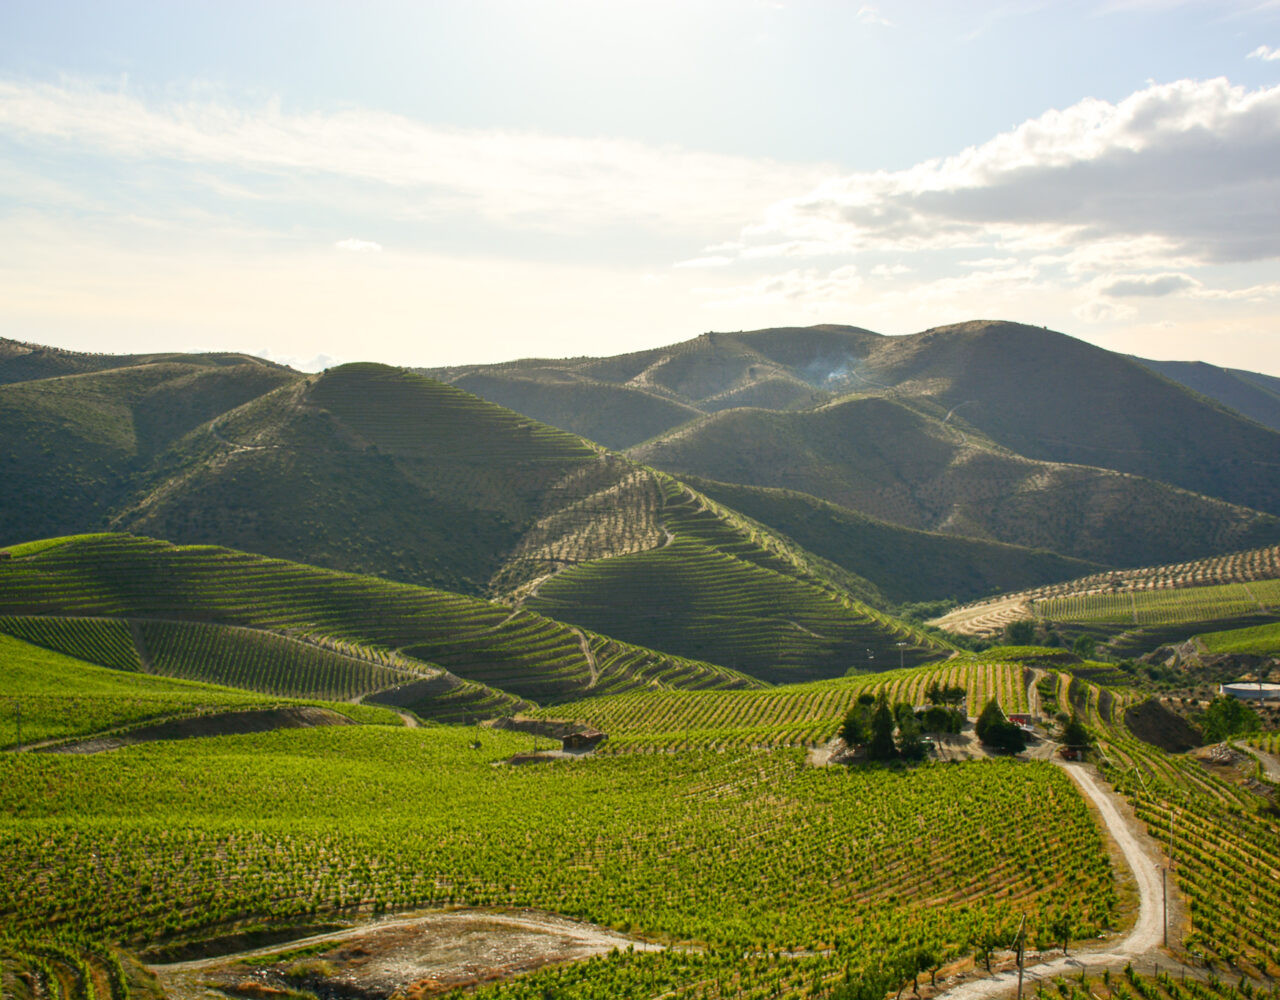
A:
868	14
803	289
711	261
521	178
1148	285
1266	53
1188	165
358	246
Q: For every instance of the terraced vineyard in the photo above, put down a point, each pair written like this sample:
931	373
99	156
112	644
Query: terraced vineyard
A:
793	715
49	696
530	656
105	641
720	587
70	970
743	852
1125	597
1224	842
1260	639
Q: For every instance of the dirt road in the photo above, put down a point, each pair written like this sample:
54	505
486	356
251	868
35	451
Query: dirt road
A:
1270	765
424	952
1142	941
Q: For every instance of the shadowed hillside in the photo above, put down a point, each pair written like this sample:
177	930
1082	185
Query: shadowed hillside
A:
72	447
1254	395
1052	397
904	564
899	464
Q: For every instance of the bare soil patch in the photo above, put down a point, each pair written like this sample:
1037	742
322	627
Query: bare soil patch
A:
1152	723
413	956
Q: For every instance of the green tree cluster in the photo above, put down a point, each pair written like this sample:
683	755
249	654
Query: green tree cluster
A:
872	723
997	732
1226	717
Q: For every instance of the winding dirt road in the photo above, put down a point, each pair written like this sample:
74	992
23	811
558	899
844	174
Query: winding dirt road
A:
1142	941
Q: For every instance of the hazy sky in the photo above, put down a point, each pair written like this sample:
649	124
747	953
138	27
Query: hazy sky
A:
474	180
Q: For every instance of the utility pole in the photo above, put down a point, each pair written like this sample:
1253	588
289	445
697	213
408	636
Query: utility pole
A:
1020	945
17	720
900	645
1164	888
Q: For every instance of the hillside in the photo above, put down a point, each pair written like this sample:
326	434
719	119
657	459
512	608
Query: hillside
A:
73	446
723	589
1042	394
191	608
1164	601
898	463
903	564
368	469
1054	398
624	400
1250	393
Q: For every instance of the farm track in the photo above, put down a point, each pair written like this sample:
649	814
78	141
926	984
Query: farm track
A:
598	938
1143	940
1270	764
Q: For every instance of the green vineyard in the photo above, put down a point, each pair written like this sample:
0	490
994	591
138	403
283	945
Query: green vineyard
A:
530	656
1160	607
716	586
793	715
746	851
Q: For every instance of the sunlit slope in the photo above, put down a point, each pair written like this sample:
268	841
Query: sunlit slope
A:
790	715
904	464
623	400
1052	397
370	469
904	564
525	654
617	416
24	362
74	446
1137	610
722	590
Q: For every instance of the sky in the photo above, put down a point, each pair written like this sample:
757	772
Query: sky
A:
452	181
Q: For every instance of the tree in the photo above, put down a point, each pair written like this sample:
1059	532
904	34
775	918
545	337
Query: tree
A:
996	731
1074	733
910	745
1084	646
1020	633
1226	717
991	714
941	720
856	729
881	746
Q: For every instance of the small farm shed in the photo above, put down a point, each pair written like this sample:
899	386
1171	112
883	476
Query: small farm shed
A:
5	554
1019	719
587	739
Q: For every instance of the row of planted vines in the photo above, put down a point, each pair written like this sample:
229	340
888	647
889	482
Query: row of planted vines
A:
1161	607
795	715
119	576
752	851
1224	845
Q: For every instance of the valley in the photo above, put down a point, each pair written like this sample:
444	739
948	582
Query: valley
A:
287	656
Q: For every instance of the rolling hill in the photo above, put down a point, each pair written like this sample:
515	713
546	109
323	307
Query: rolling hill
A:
1250	393
897	462
211	614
